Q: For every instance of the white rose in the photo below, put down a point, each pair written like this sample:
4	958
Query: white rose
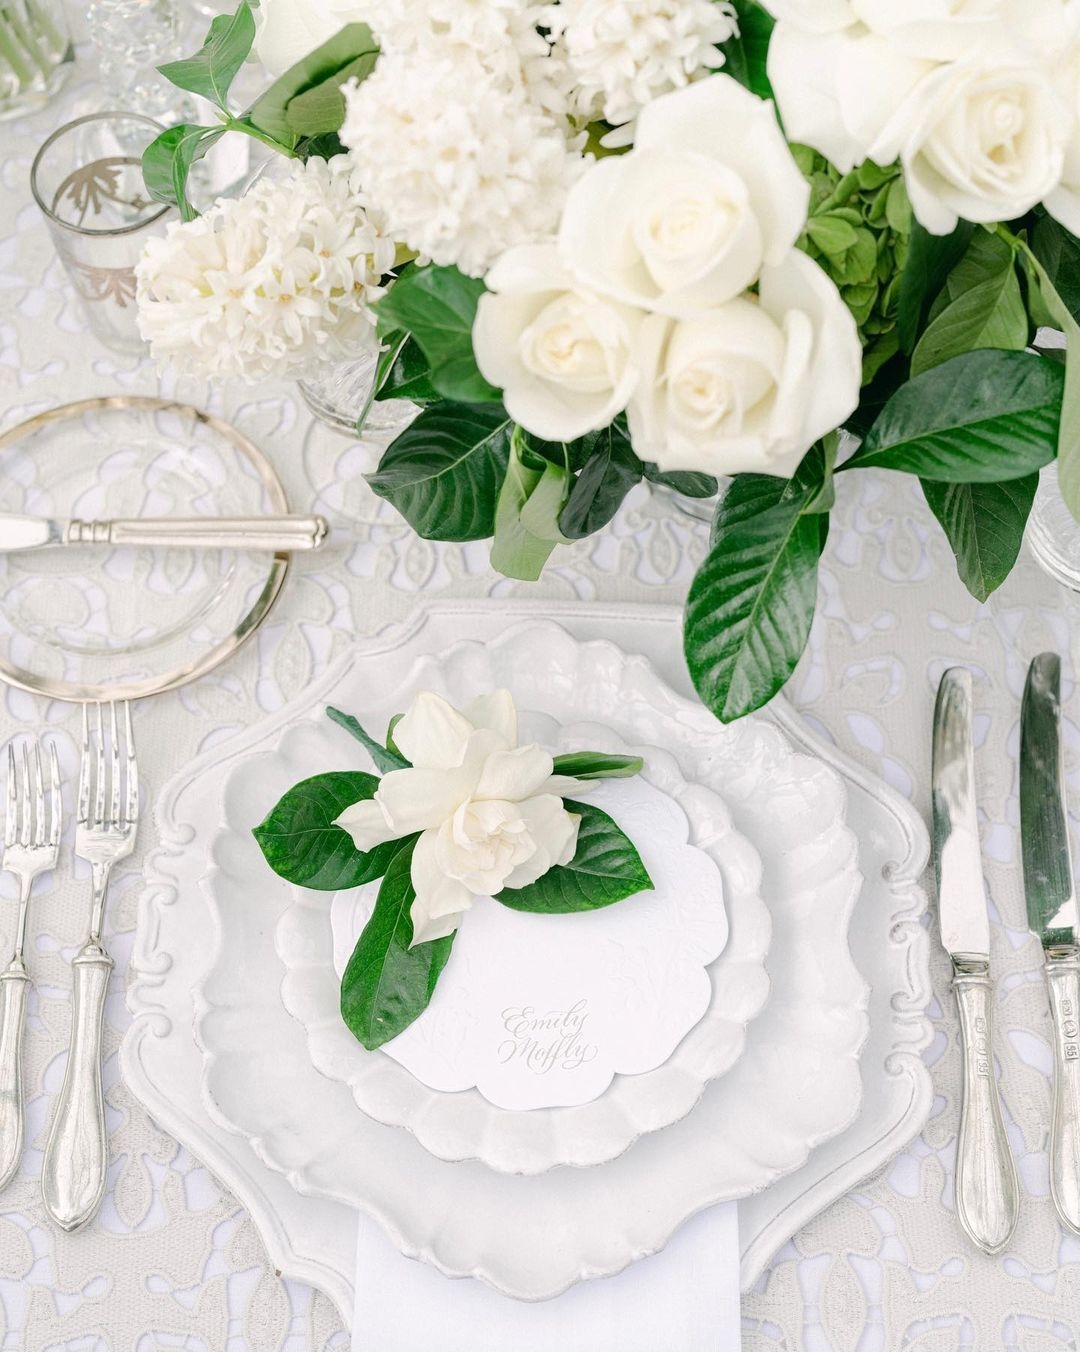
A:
1064	201
563	356
814	16
490	812
287	30
686	220
940	30
839	91
984	139
752	385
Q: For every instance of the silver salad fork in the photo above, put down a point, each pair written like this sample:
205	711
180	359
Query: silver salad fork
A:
77	1151
32	821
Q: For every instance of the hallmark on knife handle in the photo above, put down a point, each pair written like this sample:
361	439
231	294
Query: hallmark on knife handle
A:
88	532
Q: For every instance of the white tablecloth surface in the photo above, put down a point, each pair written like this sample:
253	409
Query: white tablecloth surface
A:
173	1262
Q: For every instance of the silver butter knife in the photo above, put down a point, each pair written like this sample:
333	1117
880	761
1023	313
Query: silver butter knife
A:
1052	914
987	1193
277	533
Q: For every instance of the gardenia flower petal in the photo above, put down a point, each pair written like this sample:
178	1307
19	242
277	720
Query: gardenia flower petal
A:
514	775
440	901
367	823
495	712
563	356
554	832
751	385
422	799
433	735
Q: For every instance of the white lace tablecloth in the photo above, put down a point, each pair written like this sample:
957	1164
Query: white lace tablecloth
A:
173	1262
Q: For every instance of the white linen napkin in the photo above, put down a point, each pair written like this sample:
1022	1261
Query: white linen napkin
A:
685	1298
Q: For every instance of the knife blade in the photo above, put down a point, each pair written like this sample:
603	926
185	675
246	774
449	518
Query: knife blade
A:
1053	914
277	533
987	1191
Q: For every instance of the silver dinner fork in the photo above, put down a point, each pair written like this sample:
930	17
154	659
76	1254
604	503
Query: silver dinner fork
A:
77	1150
32	821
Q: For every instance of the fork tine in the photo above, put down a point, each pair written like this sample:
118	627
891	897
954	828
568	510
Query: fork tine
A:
39	797
99	768
131	808
26	824
56	806
84	770
11	814
114	799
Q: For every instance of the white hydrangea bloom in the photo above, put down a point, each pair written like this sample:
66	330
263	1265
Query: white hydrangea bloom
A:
459	162
270	285
622	54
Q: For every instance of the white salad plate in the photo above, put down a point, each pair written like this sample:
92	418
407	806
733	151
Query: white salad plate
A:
464	1125
531	1237
313	1238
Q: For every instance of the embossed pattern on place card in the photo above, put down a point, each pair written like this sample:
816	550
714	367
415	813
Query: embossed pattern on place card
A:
540	1011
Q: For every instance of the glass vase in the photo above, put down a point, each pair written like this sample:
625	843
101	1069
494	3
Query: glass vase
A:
343	397
35	54
1053	533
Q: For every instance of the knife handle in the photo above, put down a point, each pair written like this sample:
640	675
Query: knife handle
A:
987	1192
278	533
1063	979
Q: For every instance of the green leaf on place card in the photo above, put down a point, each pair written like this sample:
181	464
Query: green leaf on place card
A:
686	482
527	513
385	759
929	261
302	844
321	109
609	474
751	606
982	417
167	161
606	868
745	54
984	307
211	71
270	112
985	524
596	765
387	984
444	472
438	307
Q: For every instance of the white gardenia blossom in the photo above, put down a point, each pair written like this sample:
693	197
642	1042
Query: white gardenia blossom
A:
751	385
271	285
489	811
460	164
687	220
622	54
564	356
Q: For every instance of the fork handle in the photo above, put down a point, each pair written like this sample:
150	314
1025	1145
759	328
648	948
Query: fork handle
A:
14	984
77	1151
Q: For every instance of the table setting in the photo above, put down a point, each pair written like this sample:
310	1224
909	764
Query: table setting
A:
538	593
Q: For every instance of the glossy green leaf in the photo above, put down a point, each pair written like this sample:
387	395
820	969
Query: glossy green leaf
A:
605	869
438	306
751	606
211	71
444	472
745	56
610	473
270	112
302	844
929	261
596	765
406	372
321	109
985	307
1058	251
167	161
385	758
686	482
982	417
985	524
387	985
527	514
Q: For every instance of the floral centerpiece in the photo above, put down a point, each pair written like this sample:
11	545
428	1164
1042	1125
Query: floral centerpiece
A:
681	241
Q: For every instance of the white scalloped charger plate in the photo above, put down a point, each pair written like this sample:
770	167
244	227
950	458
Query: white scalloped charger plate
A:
796	1085
313	1239
462	1126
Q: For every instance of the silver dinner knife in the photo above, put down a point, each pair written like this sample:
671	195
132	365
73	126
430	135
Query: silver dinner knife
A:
277	533
987	1193
1052	914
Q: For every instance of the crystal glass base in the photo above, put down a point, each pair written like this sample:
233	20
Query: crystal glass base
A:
1053	533
342	399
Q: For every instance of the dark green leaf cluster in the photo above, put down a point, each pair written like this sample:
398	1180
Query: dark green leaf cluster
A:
389	982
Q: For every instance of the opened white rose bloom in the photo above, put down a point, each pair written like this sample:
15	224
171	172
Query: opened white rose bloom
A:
688	218
287	30
751	385
490	812
563	356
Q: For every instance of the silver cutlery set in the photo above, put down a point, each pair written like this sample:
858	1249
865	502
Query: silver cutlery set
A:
76	1152
987	1190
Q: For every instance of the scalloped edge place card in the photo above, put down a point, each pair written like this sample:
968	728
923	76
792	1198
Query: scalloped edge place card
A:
542	1011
